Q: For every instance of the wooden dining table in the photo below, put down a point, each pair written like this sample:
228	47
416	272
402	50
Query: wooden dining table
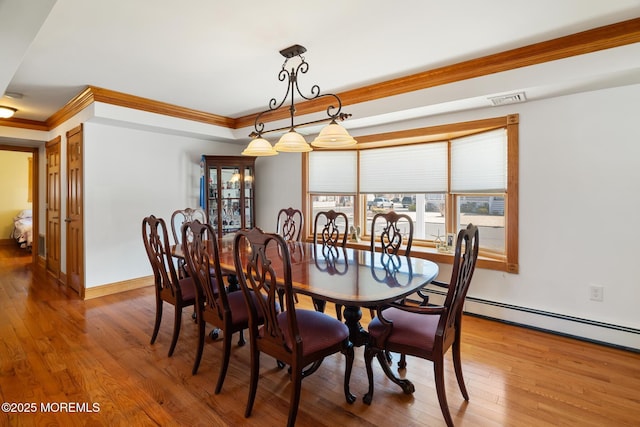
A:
354	278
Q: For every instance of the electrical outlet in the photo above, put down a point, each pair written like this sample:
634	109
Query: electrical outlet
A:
596	293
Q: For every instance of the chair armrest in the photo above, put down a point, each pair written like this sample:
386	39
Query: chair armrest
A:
388	324
439	284
429	309
423	292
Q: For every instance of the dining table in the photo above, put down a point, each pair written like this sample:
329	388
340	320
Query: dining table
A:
352	277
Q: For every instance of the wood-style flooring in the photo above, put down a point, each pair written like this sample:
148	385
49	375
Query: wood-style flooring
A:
59	354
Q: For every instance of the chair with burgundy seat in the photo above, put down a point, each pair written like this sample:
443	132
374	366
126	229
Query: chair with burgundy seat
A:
224	310
179	292
178	218
390	230
293	336
330	230
427	331
290	223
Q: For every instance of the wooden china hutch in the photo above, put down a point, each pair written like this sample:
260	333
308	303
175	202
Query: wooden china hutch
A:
229	192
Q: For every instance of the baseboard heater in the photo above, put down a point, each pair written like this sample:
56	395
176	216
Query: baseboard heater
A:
477	307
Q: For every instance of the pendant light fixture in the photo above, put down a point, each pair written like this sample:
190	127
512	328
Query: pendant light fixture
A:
332	136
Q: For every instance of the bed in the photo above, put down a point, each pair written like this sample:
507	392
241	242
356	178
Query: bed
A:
22	229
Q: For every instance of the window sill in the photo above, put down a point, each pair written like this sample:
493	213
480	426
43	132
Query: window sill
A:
432	254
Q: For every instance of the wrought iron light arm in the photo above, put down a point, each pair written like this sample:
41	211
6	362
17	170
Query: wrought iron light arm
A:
292	88
331	136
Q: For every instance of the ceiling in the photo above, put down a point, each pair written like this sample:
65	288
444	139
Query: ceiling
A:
222	57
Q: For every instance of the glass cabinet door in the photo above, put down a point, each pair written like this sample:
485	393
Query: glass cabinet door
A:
230	192
248	197
231	200
213	197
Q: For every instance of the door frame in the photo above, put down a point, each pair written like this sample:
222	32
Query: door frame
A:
35	199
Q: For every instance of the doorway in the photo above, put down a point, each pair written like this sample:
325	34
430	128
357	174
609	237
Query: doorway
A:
32	174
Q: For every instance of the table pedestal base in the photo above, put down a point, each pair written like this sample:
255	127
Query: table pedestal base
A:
357	335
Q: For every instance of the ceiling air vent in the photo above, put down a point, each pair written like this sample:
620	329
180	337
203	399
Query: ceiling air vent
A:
511	98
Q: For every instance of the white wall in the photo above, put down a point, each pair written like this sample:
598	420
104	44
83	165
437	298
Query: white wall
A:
579	186
278	186
130	174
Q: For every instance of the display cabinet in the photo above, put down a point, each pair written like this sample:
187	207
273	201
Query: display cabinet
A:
230	192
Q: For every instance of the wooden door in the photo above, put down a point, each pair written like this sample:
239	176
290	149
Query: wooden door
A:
53	207
74	219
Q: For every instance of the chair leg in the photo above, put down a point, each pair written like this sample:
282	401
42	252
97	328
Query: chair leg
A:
339	312
314	367
201	330
457	364
319	305
296	380
241	340
402	363
368	359
176	329
156	326
438	371
253	382
348	352
226	352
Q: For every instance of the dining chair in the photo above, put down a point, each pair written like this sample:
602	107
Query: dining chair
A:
293	336
330	229
226	311
179	292
426	332
290	223
389	230
178	218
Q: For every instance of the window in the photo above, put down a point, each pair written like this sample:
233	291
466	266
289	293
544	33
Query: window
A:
335	190
443	177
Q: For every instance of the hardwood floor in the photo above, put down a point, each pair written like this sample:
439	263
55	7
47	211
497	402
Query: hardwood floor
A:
56	349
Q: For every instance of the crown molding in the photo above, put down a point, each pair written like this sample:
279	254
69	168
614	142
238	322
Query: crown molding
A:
71	108
24	124
96	94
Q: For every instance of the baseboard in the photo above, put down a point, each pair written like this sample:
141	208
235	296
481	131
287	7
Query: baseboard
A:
608	334
7	242
117	287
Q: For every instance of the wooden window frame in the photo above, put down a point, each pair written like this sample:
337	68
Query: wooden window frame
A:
508	261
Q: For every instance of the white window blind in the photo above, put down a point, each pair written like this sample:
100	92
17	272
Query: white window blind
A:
420	168
479	163
332	172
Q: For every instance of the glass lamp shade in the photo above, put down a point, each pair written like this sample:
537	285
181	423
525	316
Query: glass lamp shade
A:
292	142
259	147
6	112
333	135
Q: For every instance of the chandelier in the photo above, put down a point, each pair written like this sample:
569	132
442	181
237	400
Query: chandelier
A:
331	136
